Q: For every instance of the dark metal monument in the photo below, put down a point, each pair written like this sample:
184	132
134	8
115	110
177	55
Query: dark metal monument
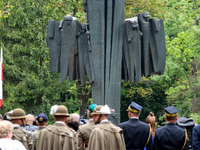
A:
106	49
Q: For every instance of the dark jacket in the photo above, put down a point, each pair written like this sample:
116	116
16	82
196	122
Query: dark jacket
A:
170	137
196	138
136	134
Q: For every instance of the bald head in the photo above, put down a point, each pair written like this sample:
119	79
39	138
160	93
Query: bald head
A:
29	119
75	116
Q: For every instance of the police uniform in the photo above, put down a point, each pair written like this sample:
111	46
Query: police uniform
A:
106	136
20	134
85	130
57	136
137	134
170	136
196	137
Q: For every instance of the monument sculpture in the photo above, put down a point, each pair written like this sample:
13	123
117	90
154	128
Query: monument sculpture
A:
106	49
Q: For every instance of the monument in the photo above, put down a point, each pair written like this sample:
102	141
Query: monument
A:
106	49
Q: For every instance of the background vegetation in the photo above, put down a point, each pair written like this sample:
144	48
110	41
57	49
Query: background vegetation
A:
29	84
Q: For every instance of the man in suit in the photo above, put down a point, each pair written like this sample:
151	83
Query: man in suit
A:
85	130
137	134
170	136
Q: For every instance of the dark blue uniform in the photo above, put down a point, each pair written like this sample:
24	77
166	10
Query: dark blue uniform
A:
136	134
196	138
170	137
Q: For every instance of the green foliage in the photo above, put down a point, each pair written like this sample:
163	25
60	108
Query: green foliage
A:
150	94
28	82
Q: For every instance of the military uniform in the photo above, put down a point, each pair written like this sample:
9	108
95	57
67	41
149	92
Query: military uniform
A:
57	136
84	132
20	134
35	136
137	134
196	138
23	136
30	128
170	136
105	135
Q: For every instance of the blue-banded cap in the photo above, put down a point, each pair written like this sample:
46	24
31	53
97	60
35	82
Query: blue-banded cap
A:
171	111
91	107
135	108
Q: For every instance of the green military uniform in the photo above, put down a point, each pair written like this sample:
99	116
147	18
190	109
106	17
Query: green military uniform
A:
105	135
57	136
84	132
35	135
20	134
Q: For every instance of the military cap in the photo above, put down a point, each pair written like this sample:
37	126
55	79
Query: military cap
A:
135	108
171	111
60	110
44	116
100	109
17	114
92	106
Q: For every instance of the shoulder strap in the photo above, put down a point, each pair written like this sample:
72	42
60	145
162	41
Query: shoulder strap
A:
186	138
149	134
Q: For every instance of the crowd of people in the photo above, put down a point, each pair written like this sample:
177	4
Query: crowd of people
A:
19	131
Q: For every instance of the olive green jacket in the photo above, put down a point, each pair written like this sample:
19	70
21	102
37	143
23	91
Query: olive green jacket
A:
24	137
56	137
84	132
106	136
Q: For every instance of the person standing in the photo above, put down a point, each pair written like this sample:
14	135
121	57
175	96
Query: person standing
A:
196	137
170	136
18	119
29	124
41	121
137	134
105	135
6	143
85	130
57	136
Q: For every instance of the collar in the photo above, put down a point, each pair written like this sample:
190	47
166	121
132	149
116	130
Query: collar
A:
16	125
134	118
60	122
91	119
105	120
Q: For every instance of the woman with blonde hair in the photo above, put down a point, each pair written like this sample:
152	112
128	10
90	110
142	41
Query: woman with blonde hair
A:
151	119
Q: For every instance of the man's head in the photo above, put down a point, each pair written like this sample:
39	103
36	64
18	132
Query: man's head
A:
134	110
6	129
171	113
18	117
29	119
90	110
60	113
75	116
100	113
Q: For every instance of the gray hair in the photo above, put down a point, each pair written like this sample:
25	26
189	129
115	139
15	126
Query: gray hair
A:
5	127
